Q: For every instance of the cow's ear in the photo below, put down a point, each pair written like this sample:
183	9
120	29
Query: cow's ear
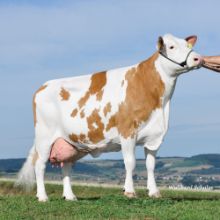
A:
160	44
191	40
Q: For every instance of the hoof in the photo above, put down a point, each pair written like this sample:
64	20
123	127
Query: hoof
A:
70	198
43	199
130	195
155	195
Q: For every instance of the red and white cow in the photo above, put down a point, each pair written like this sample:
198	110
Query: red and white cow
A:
108	111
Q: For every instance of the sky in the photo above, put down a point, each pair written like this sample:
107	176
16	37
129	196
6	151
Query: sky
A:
43	40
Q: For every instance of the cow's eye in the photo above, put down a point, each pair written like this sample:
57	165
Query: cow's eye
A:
171	47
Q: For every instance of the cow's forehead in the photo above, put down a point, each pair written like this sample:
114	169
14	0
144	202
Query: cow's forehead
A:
169	39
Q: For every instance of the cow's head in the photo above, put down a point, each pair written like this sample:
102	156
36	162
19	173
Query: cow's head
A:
177	54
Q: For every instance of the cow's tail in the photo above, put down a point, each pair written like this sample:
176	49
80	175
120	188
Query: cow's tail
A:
26	176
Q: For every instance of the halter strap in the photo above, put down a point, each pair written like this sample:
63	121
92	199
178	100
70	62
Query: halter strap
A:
182	64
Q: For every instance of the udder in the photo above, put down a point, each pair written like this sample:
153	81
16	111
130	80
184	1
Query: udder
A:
63	152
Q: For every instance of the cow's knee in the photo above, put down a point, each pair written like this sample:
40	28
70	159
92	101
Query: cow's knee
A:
129	163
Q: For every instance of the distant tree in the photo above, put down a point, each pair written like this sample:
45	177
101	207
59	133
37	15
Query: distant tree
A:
159	164
189	180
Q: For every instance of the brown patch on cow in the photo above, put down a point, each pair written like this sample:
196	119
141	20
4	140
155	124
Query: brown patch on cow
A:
82	114
107	108
98	81
74	112
35	157
73	137
77	138
82	137
83	100
111	123
65	95
95	126
122	83
143	95
99	95
34	102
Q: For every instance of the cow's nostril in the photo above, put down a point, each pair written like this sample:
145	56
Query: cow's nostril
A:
196	59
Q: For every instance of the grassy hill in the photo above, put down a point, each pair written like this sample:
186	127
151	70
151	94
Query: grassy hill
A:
108	203
196	170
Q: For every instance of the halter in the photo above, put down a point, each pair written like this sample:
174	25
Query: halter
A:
182	64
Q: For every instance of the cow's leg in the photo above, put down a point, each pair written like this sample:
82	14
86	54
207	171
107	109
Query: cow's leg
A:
43	146
67	190
150	164
40	165
128	152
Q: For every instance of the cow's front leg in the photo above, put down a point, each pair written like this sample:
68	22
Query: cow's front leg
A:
67	190
150	164
128	152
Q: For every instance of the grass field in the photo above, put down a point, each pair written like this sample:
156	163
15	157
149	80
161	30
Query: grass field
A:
108	203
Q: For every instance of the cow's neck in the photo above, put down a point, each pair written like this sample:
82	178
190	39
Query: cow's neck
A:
160	74
168	76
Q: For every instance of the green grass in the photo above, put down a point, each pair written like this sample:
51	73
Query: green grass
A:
108	203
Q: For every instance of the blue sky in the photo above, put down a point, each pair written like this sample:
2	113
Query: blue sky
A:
42	40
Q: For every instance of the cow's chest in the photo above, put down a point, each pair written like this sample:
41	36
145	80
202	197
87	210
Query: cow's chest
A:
153	131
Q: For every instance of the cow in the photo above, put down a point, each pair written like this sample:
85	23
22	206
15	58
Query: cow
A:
105	112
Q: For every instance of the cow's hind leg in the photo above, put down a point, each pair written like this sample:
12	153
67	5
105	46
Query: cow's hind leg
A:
40	165
43	146
150	164
67	190
128	151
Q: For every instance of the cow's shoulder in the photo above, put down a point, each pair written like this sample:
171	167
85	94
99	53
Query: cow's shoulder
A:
143	95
